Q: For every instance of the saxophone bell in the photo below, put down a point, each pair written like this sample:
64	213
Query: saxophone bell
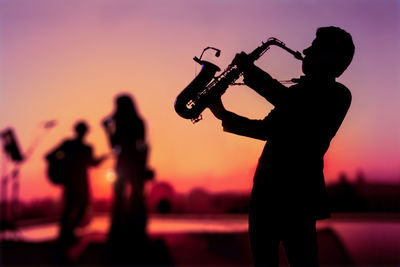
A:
186	103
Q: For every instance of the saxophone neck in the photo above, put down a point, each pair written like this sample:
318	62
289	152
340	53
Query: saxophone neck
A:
259	51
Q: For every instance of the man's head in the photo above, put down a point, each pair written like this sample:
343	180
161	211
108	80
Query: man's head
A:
81	129
330	53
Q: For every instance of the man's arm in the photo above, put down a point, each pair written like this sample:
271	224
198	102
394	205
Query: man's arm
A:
259	80
264	84
239	125
233	123
94	161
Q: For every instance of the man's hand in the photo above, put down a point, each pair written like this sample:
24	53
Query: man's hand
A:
242	60
217	108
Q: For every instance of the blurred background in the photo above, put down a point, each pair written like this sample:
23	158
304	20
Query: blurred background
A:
62	61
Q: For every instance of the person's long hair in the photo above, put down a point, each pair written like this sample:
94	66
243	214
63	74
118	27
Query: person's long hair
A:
128	121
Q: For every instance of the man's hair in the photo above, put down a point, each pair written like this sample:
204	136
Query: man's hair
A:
340	42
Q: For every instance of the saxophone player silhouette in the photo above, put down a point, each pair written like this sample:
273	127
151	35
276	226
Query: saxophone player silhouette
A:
289	193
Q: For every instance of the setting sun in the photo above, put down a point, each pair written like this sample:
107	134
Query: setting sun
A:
111	176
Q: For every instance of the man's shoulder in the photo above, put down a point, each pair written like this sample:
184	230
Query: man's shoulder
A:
341	91
341	96
68	141
66	144
341	88
76	145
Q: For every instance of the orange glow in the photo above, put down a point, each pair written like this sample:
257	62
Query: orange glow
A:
68	60
111	176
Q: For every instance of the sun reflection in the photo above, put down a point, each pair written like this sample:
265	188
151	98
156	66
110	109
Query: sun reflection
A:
111	176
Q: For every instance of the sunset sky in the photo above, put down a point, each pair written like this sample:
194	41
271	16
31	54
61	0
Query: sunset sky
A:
67	60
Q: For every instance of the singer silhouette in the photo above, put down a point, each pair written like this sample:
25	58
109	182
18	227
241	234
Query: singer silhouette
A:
127	135
289	193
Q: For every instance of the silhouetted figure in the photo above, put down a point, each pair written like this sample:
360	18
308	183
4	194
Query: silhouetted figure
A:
9	207
289	193
126	132
76	157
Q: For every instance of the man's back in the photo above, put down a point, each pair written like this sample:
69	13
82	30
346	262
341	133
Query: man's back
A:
299	131
78	157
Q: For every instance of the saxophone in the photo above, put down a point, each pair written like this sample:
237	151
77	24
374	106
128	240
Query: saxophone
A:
205	87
